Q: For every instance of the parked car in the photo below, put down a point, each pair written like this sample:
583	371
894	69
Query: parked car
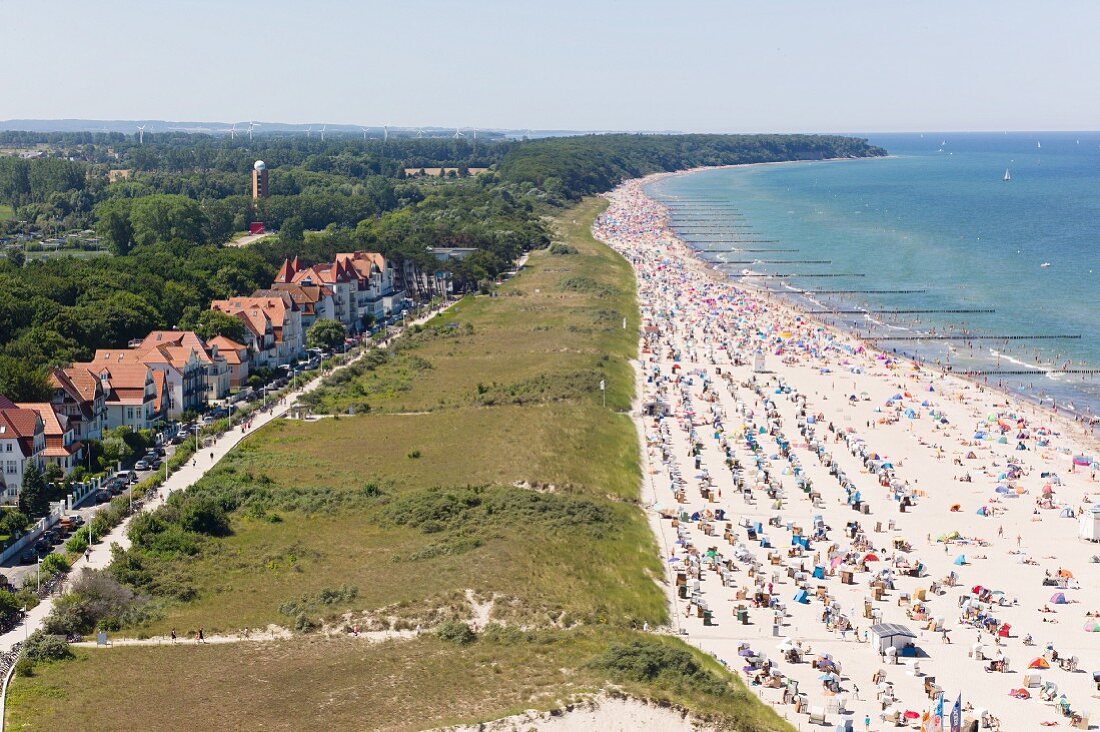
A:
28	556
43	545
102	496
141	465
77	519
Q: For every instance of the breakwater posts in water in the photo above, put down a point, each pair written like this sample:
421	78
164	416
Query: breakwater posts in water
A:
1037	371
1041	337
736	250
792	274
854	292
777	261
915	311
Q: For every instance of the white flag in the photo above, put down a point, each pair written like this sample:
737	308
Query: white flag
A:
603	385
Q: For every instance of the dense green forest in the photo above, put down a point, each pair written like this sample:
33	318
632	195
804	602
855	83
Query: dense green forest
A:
187	194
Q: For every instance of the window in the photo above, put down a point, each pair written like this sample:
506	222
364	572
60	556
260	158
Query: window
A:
12	467
129	412
7	447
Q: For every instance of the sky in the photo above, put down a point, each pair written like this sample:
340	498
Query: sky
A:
683	65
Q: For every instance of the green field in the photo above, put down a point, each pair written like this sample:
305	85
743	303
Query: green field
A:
481	463
6	212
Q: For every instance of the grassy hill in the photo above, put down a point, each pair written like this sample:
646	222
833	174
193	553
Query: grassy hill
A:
481	481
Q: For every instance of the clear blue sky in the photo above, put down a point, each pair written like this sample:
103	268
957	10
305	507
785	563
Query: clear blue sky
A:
818	65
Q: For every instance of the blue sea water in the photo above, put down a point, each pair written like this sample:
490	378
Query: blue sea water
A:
935	216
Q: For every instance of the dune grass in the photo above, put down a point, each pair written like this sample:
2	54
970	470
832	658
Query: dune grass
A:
481	458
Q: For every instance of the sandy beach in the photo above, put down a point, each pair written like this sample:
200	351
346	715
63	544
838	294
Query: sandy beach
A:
855	535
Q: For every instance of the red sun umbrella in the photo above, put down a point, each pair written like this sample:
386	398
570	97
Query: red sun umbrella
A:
871	558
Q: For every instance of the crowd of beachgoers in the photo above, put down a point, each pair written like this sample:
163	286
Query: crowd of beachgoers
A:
862	539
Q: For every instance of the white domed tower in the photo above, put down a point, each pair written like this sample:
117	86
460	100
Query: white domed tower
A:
259	179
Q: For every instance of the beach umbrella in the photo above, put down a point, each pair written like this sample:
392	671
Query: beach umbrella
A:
746	652
871	558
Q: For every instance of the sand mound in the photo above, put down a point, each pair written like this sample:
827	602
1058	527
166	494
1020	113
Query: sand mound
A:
604	713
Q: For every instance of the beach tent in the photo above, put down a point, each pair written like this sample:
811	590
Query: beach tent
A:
1039	662
960	560
801	597
1082	460
890	635
1058	598
819	573
1092	626
1066	512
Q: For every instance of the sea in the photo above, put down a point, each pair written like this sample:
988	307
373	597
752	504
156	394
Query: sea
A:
935	228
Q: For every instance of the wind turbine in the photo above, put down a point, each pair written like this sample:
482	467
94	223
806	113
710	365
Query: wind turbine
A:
252	125
419	131
364	129
233	132
458	133
385	133
309	132
141	134
323	133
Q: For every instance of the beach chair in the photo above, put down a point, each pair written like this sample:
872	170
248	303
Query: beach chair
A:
1079	721
1032	681
817	715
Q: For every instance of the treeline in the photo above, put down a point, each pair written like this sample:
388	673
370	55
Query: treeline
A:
165	226
572	167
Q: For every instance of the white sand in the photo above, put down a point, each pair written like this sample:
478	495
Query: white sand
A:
603	713
692	309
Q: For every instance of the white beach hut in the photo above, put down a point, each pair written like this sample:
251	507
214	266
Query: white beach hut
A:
1089	527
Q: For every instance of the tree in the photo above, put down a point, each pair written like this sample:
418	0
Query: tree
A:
22	382
115	447
17	257
166	218
293	229
326	334
13	522
113	224
211	323
33	497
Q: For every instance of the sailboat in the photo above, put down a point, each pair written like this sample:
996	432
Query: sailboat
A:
1008	176
1038	144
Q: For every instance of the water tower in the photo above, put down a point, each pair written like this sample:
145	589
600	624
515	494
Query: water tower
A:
259	180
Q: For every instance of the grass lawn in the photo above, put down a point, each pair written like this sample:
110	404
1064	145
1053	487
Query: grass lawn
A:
345	684
481	460
6	212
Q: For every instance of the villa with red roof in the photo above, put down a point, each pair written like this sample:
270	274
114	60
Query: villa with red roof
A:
22	440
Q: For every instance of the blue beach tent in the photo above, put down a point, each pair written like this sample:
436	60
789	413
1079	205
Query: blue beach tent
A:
960	560
802	597
819	573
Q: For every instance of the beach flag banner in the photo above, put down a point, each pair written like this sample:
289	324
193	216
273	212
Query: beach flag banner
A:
937	716
957	714
603	385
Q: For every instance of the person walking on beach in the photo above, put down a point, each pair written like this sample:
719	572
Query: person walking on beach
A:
173	635
200	638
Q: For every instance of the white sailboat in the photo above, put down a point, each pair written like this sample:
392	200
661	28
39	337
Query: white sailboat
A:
1038	144
1008	176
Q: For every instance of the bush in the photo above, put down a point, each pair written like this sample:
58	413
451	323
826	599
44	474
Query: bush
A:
44	647
24	667
456	632
55	564
654	660
97	600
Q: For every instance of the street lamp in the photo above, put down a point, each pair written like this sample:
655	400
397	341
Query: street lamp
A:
26	626
38	574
